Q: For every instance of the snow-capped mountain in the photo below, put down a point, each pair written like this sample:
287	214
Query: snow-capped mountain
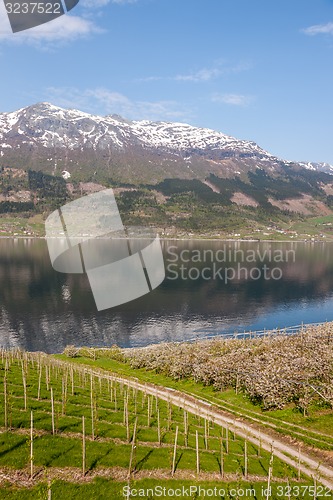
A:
51	126
53	139
318	167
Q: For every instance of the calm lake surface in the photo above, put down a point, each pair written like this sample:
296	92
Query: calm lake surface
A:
41	309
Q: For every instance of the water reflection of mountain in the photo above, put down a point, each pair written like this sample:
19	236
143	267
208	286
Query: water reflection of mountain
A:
44	310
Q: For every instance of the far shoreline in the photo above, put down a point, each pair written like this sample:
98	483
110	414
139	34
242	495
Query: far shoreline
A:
205	239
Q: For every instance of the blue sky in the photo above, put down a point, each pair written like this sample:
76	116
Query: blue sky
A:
254	69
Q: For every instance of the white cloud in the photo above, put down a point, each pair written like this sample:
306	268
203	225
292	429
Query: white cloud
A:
102	101
204	74
318	29
93	4
63	29
232	99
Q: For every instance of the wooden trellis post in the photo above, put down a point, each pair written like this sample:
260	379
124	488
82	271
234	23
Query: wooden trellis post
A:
206	434
169	415
39	381
245	458
148	411
127	423
222	457
158	427
5	399
24	387
151	405
174	453
47	379
132	449
135	401
52	410
92	408
185	427
83	447
72	380
62	396
31	445
124	408
270	472
197	451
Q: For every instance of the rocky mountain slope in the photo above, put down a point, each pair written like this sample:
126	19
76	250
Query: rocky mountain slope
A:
52	139
164	174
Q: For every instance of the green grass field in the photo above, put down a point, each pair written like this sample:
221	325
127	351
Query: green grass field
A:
30	225
30	382
315	429
315	226
152	489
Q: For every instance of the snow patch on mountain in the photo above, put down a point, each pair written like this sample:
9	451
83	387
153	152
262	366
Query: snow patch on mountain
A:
44	125
318	167
51	126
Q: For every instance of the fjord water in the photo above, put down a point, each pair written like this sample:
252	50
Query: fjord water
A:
41	309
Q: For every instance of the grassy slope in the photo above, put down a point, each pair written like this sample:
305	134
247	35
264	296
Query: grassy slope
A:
180	207
320	228
110	448
315	429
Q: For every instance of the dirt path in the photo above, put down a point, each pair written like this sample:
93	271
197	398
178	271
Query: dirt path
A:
273	422
286	452
21	478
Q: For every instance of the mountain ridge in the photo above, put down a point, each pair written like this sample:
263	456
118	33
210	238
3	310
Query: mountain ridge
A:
175	177
52	138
